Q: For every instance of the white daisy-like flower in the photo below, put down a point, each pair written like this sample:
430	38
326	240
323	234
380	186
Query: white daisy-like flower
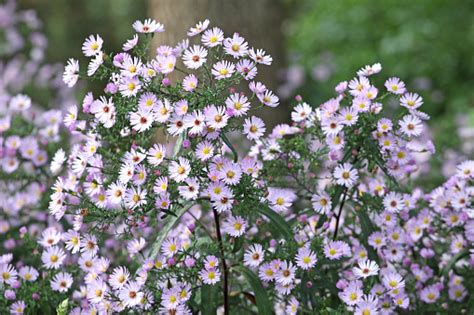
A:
156	154
135	246
254	128
119	277
213	37
95	63
305	258
286	274
395	86
223	69
20	102
301	112
235	226
148	26
411	126
199	28
370	70
254	255
135	197
170	246
210	277
61	282
393	202
321	202
366	269
179	170
411	100
195	57
345	175
58	161
131	43
71	72
141	120
53	257
259	56
236	46
92	46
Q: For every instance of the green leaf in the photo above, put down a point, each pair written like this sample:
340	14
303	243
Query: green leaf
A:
231	147
170	222
179	144
367	229
238	243
264	305
62	307
280	224
208	299
453	261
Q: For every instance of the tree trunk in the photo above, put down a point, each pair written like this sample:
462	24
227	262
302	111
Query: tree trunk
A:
258	21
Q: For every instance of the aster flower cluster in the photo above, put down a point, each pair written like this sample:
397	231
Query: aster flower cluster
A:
124	181
342	174
14	25
28	138
22	52
156	211
31	142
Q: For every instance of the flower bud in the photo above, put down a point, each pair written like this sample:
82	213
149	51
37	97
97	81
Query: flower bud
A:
189	262
10	295
166	81
186	144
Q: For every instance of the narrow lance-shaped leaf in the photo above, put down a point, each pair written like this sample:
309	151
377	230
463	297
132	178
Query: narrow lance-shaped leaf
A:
178	144
62	307
264	305
367	229
282	226
453	261
230	146
170	222
208	299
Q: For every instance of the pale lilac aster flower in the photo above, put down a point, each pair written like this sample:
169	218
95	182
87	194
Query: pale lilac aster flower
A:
148	26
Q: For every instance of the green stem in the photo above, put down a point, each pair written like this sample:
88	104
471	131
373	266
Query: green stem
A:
231	147
170	222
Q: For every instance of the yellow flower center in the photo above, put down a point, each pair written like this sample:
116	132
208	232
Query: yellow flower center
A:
136	198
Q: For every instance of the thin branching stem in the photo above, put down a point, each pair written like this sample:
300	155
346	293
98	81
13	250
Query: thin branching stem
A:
225	283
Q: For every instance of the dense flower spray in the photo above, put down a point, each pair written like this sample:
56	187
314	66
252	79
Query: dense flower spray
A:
32	143
378	243
180	211
322	200
319	216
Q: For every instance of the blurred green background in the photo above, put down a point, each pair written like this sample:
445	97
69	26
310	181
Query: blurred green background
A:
427	43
